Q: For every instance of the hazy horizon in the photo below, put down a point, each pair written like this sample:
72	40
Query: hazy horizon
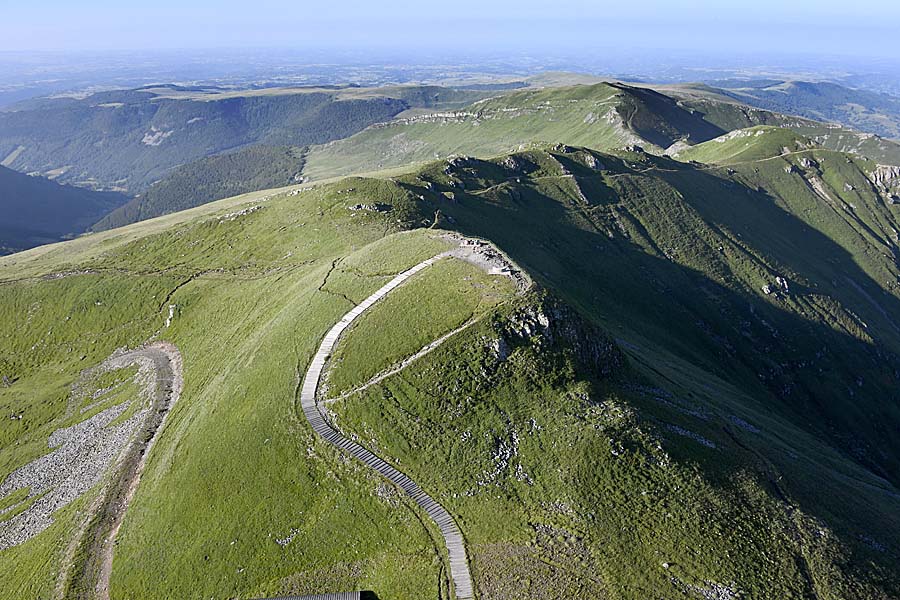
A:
768	28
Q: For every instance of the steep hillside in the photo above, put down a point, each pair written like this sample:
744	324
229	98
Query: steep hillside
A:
128	139
823	101
601	116
209	179
731	112
697	397
739	230
38	211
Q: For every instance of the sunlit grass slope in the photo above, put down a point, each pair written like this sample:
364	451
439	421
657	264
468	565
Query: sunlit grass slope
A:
700	396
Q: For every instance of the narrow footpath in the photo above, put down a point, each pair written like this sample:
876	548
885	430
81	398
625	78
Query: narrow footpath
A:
459	564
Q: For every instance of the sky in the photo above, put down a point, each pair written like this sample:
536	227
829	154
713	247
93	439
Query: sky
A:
788	26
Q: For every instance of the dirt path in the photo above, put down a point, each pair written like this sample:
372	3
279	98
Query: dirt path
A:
459	564
90	577
393	370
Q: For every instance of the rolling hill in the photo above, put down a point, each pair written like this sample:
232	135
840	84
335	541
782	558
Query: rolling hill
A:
126	140
697	397
254	168
602	116
39	211
862	110
197	162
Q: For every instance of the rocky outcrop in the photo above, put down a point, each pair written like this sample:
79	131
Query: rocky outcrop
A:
886	179
592	163
676	148
808	163
83	453
374	207
550	324
511	163
489	258
885	176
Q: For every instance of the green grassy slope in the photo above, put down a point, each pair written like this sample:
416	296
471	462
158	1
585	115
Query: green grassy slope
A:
675	258
647	423
747	145
724	110
264	296
662	216
600	116
37	211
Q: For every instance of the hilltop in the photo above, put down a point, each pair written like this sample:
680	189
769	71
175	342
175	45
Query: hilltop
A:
698	397
602	116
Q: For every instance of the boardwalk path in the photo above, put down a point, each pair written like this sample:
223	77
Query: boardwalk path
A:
459	565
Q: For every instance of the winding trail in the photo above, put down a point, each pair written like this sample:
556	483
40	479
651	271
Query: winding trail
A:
98	541
393	370
459	564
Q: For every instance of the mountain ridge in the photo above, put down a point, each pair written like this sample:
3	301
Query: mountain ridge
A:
698	396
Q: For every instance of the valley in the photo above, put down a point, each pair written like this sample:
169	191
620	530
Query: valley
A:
665	395
499	342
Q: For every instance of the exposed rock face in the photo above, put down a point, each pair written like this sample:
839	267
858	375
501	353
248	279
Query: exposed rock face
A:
488	257
886	179
511	163
240	213
591	162
808	163
460	161
551	324
374	207
885	176
677	147
82	454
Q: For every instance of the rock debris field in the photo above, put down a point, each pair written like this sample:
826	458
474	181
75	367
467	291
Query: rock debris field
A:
84	453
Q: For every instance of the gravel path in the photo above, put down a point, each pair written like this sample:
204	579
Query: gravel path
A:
167	388
459	564
81	454
84	455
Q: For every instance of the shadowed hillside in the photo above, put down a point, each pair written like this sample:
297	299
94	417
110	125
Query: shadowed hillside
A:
39	211
126	140
699	398
209	179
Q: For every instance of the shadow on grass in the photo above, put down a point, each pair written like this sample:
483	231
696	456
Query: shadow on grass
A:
676	281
